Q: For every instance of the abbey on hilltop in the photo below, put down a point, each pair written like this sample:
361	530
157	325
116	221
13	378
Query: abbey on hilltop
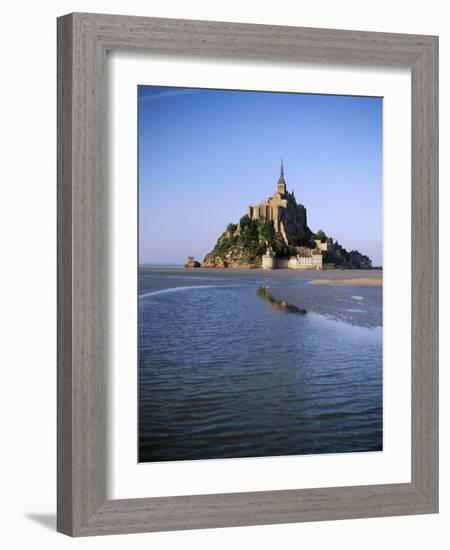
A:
289	220
288	217
274	234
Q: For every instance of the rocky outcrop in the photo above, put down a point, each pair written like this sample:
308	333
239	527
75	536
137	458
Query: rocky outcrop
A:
234	257
214	261
191	262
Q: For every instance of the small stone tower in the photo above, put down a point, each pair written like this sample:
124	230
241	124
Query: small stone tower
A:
268	259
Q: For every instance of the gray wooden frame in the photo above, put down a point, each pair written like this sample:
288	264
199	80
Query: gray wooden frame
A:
83	40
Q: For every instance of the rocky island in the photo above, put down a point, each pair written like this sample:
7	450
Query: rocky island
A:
274	234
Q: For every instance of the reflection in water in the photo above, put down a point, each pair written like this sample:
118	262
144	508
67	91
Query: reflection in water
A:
223	373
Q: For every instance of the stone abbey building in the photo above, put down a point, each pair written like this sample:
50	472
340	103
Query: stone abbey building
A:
288	217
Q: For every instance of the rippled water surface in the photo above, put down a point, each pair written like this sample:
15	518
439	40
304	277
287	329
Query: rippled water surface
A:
224	373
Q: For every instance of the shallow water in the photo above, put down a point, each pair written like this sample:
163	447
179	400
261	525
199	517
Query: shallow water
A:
224	373
357	305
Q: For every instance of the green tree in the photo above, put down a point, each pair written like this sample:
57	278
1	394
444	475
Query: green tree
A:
304	237
320	235
245	221
266	231
280	249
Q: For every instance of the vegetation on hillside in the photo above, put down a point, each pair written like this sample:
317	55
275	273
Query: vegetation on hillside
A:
245	243
339	257
304	237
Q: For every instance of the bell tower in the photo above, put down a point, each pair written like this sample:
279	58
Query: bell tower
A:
281	186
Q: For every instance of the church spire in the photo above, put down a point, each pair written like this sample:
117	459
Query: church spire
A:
281	182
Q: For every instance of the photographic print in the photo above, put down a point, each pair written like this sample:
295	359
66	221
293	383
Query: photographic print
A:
260	274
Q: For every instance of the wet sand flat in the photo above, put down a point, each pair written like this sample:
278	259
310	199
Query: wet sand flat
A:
352	282
157	278
357	305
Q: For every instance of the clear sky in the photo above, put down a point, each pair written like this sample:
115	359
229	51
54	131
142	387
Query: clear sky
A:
204	155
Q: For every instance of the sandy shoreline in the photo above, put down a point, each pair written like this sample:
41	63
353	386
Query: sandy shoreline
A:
277	274
353	282
160	278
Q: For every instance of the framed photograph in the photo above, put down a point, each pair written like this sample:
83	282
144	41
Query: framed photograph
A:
247	274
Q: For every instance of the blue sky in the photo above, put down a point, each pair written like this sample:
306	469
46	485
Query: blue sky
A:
204	155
